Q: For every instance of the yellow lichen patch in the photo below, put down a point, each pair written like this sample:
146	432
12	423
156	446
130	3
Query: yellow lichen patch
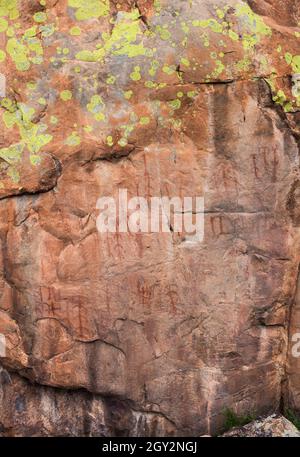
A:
73	139
175	104
128	94
154	67
12	154
295	63
75	31
185	62
278	95
220	67
3	24
88	128
123	142
111	79
96	106
211	24
109	140
136	74
122	41
25	50
9	8
144	120
42	101
254	23
243	64
89	9
66	95
91	56
169	69
163	32
19	54
32	136
40	17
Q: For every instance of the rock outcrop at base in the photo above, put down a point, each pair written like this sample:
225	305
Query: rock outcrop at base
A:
274	426
147	333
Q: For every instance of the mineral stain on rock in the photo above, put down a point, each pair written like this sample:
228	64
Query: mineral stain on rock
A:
118	335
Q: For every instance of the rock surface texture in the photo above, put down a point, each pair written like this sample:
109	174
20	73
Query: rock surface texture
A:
269	427
121	334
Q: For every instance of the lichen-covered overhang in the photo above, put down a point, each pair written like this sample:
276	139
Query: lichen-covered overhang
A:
52	54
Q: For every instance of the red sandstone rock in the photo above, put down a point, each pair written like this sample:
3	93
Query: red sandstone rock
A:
148	334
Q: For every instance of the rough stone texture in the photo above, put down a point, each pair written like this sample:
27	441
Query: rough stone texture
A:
274	426
147	333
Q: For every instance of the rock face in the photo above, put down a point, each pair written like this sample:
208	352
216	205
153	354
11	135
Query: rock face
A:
272	426
147	333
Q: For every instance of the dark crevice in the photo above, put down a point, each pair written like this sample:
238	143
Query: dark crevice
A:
112	157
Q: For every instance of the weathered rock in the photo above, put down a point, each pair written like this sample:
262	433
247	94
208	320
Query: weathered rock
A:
31	410
272	426
155	332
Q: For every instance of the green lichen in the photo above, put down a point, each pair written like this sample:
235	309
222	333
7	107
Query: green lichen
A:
19	54
25	50
163	32
12	154
144	120
296	64
122	40
90	56
89	9
75	31
278	96
109	141
175	104
220	67
126	36
192	93
128	94
3	24
32	136
169	69
111	79
154	67
136	73
212	24
243	64
254	23
47	30
96	106
185	62
66	95
9	8
73	139
40	17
